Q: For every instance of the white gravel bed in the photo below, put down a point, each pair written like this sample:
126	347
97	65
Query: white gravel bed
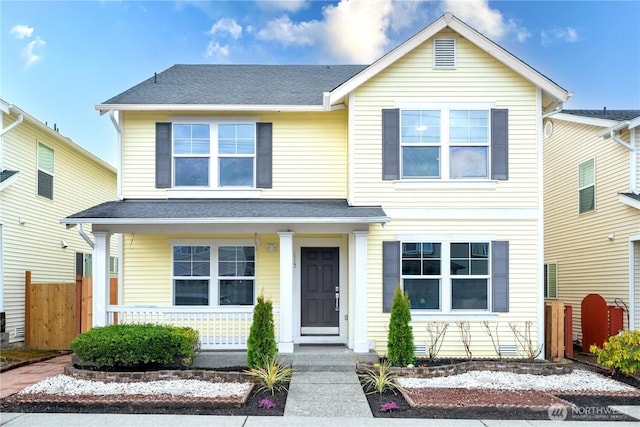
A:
66	385
578	380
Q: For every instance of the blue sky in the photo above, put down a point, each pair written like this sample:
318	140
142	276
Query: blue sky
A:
60	58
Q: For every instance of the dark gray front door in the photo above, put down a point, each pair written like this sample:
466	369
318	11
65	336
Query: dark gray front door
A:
319	310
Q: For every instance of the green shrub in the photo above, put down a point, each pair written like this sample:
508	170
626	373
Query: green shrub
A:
400	341
621	353
136	345
261	344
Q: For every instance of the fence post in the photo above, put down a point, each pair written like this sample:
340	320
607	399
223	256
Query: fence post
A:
27	308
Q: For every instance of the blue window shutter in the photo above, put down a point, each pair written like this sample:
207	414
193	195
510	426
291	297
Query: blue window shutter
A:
264	163
500	144
500	276
390	272
163	155
391	144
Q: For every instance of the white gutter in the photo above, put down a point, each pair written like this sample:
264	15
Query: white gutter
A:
84	236
104	108
612	133
558	109
114	120
14	124
275	220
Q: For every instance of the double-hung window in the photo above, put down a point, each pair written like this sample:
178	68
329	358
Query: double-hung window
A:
446	143
467	142
587	186
216	274
45	171
214	155
446	276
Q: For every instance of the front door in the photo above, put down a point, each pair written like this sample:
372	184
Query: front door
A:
319	293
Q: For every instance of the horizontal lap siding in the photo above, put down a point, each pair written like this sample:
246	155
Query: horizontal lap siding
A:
309	154
147	269
79	182
524	279
588	262
478	78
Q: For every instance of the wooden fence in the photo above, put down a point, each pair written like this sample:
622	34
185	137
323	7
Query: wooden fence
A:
56	312
554	329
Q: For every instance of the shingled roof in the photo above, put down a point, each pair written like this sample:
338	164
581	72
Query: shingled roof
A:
215	84
617	115
132	211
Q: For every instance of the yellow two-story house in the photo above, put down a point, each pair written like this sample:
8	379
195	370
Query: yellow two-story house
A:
324	187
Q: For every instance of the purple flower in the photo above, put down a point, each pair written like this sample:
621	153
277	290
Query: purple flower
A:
266	404
388	407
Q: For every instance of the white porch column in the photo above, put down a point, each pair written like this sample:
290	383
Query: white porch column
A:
285	345
360	342
101	251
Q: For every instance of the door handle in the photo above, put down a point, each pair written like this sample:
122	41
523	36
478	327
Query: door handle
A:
337	298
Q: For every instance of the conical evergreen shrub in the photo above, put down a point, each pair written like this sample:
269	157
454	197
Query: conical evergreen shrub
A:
400	351
261	344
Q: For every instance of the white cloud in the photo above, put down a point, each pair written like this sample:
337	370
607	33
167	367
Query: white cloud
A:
288	5
288	33
226	25
29	52
21	31
351	31
566	35
216	50
489	22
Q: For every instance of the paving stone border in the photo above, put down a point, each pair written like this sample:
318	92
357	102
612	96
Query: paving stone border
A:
160	375
536	368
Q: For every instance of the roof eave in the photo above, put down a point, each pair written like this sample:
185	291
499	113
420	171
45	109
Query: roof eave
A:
103	108
449	20
591	121
70	222
629	201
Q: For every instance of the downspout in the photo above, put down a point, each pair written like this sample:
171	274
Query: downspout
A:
84	236
118	153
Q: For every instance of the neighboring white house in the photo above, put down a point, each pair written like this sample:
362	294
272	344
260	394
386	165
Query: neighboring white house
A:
325	187
44	176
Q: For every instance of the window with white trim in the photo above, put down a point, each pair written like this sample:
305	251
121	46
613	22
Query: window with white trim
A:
551	280
445	143
587	186
214	275
46	162
446	276
214	154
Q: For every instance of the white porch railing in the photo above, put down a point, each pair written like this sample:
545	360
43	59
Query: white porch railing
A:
220	328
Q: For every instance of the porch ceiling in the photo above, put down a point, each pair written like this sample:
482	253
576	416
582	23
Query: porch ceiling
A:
227	212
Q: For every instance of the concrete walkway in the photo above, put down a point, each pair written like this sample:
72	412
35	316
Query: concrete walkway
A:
325	384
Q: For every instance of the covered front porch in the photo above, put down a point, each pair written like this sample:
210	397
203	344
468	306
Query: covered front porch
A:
307	256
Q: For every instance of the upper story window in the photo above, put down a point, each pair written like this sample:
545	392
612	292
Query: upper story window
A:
587	186
45	171
213	154
232	163
445	143
450	144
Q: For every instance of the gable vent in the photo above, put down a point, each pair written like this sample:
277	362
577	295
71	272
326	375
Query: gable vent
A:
444	53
